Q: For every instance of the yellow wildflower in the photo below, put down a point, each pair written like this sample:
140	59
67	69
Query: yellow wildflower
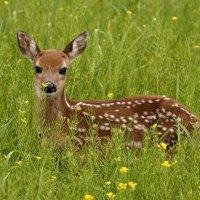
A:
111	195
54	178
118	159
199	187
166	164
44	85
174	18
26	102
162	145
195	46
21	111
110	95
77	108
19	162
23	120
123	170
154	126
6	2
122	186
132	185
107	183
173	163
38	158
129	12
88	197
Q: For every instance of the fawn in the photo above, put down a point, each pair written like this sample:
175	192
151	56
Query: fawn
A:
134	115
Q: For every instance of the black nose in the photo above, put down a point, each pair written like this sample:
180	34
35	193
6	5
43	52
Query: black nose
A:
49	87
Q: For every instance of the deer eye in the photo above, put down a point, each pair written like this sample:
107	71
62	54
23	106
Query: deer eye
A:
63	71
38	70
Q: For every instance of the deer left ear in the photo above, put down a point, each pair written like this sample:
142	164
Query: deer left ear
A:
76	47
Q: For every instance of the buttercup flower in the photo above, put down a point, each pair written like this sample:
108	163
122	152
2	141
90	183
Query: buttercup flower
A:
77	108
26	102
123	170
38	158
44	85
107	183
122	186
6	2
54	178
110	95
129	12
88	197
174	18
162	145
111	195
132	185
166	164
195	46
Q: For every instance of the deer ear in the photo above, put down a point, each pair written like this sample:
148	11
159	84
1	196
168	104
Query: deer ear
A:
76	47
27	45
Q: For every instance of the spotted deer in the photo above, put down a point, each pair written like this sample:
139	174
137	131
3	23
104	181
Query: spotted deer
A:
134	115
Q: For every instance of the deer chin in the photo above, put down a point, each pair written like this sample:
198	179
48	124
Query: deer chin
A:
51	95
42	94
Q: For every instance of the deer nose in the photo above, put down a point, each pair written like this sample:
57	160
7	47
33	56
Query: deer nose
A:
48	87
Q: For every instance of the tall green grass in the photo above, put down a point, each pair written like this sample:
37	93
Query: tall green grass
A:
154	49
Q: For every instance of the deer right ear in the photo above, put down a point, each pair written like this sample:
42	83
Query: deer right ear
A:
27	45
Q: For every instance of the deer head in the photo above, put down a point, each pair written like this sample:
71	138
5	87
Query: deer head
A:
51	65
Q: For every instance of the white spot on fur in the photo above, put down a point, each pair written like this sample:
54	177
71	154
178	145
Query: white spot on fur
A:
130	118
138	144
117	119
93	117
102	127
169	113
171	130
123	125
163	109
85	113
130	129
112	116
106	115
82	130
139	127
159	133
135	115
175	105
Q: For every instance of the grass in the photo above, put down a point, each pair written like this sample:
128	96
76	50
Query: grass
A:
154	49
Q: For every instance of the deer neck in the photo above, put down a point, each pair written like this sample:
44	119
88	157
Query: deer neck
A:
51	109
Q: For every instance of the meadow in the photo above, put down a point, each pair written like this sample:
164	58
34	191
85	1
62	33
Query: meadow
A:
136	47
